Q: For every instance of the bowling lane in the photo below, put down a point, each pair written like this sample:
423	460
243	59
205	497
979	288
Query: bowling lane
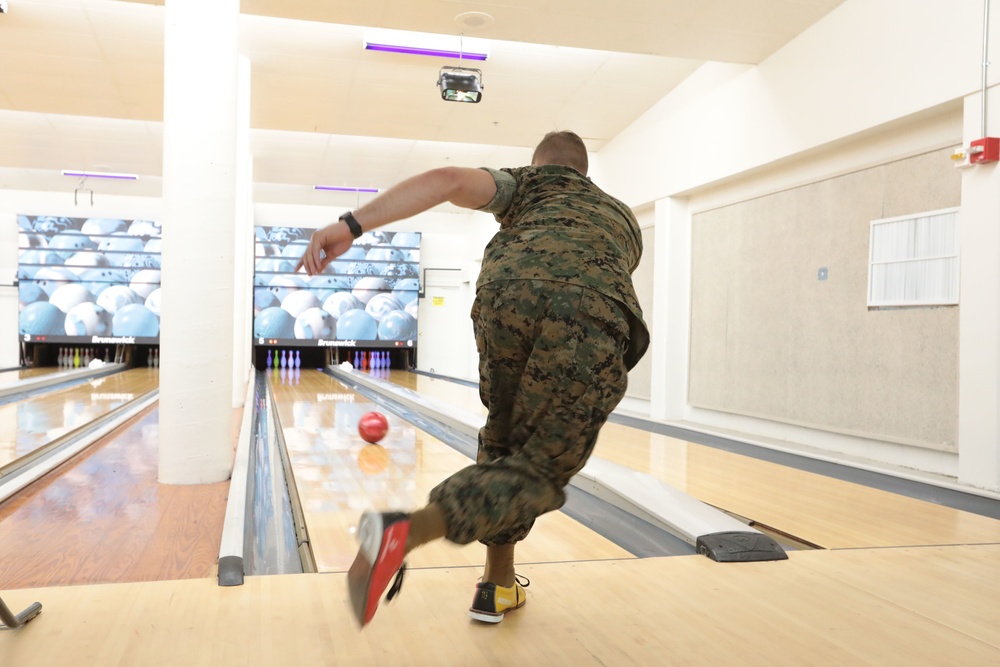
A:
829	512
35	421
103	517
15	375
460	395
338	476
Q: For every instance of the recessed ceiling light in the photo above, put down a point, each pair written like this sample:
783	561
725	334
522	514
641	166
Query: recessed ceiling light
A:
474	20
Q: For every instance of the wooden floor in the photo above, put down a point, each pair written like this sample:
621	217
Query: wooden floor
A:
927	606
102	516
898	582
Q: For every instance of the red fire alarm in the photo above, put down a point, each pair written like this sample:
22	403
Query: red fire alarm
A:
986	149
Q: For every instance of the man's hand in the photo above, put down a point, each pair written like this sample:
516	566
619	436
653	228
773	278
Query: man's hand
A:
325	245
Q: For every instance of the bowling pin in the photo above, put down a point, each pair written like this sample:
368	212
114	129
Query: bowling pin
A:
283	360
76	358
298	359
268	359
149	358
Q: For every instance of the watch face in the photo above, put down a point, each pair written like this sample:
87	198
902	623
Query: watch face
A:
352	224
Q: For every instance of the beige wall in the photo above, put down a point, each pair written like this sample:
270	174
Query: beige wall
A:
770	340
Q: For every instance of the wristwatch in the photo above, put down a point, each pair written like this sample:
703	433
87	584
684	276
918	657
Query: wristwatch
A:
352	224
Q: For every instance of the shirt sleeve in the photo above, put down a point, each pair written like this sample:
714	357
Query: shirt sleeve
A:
505	192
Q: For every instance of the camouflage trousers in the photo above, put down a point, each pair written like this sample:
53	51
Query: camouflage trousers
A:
551	371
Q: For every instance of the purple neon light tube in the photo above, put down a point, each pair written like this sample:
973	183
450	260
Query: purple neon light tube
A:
338	188
99	174
412	50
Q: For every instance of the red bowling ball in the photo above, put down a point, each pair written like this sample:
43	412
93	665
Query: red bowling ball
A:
372	426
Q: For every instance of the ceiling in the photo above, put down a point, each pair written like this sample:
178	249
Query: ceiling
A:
81	86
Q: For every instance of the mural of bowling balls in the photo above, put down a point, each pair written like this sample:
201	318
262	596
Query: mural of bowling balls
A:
40	319
381	304
117	297
315	323
29	292
397	271
406	290
135	319
264	298
103	226
384	254
90	270
153	301
51	278
30	262
69	296
339	303
298	302
285	235
122	249
397	325
51	225
88	319
81	261
367	288
99	279
69	242
145	229
357	325
376	278
274	323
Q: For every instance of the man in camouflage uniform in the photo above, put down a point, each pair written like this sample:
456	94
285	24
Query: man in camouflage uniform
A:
557	326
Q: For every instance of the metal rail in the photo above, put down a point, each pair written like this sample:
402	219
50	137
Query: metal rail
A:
12	620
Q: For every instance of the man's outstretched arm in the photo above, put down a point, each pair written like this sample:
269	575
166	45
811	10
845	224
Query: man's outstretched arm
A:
468	188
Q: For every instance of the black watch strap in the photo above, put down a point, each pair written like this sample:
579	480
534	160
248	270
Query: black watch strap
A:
352	224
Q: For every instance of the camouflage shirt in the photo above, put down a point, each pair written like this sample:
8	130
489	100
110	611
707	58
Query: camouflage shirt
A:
555	224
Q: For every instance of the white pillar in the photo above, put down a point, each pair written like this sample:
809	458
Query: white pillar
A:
672	312
244	242
979	312
199	217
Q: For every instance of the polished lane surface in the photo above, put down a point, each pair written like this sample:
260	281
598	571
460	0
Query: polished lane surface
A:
37	420
338	475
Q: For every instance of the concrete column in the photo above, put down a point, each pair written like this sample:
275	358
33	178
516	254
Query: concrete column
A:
672	312
199	222
979	312
244	242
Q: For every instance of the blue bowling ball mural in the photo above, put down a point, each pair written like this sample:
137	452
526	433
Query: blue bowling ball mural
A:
368	295
81	278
